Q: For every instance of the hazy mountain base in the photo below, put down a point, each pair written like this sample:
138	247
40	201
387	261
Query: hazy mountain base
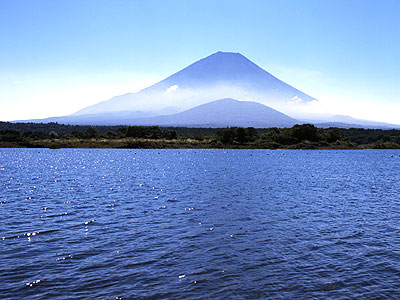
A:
304	136
219	113
193	91
217	76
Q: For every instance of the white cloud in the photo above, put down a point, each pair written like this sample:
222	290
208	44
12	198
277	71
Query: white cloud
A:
295	99
172	88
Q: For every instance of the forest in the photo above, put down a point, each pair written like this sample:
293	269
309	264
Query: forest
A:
305	136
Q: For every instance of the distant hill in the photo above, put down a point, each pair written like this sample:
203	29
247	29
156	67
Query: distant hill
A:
219	113
222	113
107	118
350	122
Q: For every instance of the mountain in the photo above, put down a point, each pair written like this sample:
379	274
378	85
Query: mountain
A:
222	113
106	118
350	122
220	75
219	113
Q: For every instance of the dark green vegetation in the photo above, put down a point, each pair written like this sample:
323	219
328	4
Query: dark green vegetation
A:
306	136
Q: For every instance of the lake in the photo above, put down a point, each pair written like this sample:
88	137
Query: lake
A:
199	224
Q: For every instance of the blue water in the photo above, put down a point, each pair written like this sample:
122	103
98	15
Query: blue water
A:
199	224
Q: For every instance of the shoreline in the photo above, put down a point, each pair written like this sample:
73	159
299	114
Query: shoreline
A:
175	144
305	136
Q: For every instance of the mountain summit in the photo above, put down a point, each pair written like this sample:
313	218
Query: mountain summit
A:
220	75
220	67
188	98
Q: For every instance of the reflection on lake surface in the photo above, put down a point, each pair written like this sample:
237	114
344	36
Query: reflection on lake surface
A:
191	224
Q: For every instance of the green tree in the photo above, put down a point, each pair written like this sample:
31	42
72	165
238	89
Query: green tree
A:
226	135
53	135
241	135
251	133
286	137
91	132
110	134
271	135
305	132
77	134
121	132
333	135
11	136
169	134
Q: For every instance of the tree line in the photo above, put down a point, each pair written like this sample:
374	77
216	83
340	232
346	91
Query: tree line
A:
88	132
300	136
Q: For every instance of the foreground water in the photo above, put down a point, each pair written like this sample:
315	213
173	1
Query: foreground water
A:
199	224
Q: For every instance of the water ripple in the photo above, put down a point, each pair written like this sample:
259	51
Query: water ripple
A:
190	224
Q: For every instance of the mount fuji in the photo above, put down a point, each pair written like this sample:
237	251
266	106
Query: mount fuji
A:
182	100
220	75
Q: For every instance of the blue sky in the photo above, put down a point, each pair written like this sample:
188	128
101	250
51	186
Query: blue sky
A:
59	56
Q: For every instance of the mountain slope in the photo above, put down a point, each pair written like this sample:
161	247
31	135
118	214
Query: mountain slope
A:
219	113
222	113
106	118
220	75
350	122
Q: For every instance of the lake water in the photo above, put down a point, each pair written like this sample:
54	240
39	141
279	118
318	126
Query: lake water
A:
199	224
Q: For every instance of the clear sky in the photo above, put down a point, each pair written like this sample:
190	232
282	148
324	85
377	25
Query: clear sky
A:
59	56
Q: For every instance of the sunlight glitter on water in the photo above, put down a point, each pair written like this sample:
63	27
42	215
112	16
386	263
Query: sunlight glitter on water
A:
257	224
